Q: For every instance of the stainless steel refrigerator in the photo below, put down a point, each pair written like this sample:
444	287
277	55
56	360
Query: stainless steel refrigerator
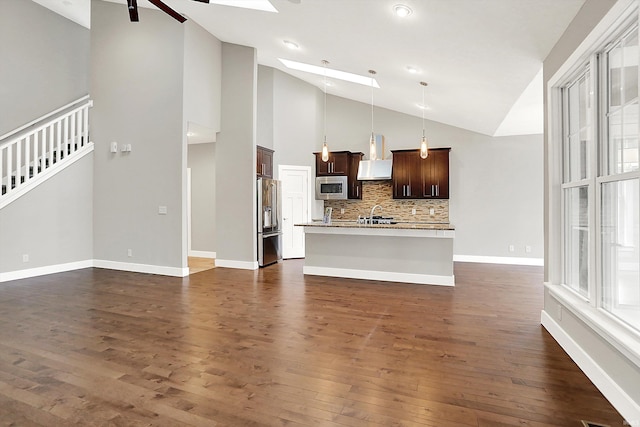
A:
269	221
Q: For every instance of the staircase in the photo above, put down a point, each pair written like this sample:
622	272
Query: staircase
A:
37	150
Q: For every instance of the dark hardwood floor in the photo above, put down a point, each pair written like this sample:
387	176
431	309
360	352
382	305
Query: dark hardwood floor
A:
271	347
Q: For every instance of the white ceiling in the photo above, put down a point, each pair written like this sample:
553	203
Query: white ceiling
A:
481	58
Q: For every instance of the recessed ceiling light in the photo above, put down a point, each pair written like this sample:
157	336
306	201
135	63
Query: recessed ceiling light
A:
327	83
330	72
402	10
291	45
412	70
422	107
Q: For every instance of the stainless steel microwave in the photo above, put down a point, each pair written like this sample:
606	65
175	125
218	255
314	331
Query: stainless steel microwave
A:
331	187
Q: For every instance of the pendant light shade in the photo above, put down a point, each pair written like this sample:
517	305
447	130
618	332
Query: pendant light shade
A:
325	149
373	155
424	146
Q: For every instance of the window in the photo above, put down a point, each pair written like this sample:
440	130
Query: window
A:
620	256
577	146
620	153
601	180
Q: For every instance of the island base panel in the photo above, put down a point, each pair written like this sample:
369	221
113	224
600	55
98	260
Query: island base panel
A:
399	259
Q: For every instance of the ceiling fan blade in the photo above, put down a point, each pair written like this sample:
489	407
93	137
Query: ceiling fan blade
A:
133	10
203	1
166	9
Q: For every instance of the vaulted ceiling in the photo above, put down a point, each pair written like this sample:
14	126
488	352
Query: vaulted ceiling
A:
482	59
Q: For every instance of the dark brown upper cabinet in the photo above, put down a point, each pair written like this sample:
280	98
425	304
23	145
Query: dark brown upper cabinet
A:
417	178
338	164
264	162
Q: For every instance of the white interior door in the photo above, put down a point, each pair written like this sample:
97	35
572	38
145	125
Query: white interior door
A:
296	208
189	211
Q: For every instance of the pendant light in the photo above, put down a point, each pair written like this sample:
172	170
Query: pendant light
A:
424	147
373	155
325	149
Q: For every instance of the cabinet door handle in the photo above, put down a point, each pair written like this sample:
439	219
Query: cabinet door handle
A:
437	189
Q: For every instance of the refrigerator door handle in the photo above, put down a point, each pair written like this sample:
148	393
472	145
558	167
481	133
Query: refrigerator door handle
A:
266	235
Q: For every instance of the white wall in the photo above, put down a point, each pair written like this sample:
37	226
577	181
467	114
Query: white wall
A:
45	62
591	339
43	69
202	76
236	160
265	124
202	161
52	223
137	87
290	121
496	183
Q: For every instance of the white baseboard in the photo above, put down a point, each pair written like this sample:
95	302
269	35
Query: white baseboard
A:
243	265
202	254
628	408
112	265
499	260
41	271
142	268
387	276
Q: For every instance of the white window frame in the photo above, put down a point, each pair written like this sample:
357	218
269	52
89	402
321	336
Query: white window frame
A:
620	335
588	182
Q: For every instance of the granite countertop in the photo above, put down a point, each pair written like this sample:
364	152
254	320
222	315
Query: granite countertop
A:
399	225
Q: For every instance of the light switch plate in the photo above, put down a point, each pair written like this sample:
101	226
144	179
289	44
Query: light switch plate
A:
162	210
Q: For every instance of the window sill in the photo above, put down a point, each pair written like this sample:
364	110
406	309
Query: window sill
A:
622	337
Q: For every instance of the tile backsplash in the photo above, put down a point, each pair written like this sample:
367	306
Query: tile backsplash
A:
381	193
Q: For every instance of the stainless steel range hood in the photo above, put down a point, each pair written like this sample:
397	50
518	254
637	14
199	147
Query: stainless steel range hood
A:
369	170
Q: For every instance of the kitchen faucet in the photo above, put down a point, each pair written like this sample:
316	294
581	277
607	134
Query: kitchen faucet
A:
371	215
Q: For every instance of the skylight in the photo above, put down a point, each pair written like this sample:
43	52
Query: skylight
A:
334	74
263	5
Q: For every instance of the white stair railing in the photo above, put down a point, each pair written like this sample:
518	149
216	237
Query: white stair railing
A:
52	142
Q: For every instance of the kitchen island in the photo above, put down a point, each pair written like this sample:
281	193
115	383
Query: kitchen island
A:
404	252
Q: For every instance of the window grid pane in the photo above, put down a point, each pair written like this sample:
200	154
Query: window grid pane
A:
620	244
578	127
576	239
620	152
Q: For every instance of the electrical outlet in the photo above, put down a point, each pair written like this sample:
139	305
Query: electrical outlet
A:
432	211
114	147
25	258
527	249
341	211
512	248
162	210
129	252
413	211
